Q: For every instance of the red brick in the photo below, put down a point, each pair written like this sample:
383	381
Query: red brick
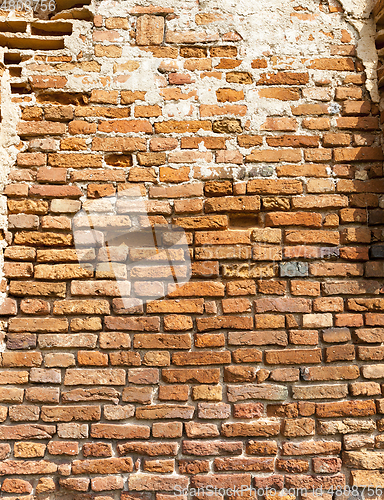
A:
284	124
273	156
102	466
25	129
309	109
280	186
295	219
118	144
333	64
294	356
227	322
282	305
346	409
358	154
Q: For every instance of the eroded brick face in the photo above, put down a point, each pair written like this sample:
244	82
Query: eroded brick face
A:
263	368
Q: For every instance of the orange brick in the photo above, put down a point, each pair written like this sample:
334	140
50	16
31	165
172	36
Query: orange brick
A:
207	110
283	124
283	78
147	111
310	109
149	30
310	288
273	156
104	96
359	123
125	126
282	94
229	95
317	123
333	64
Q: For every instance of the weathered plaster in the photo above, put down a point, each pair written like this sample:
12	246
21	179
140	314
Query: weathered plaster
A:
265	28
358	15
310	33
359	9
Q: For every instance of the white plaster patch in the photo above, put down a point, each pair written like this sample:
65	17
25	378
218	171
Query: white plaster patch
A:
287	28
366	51
358	8
178	110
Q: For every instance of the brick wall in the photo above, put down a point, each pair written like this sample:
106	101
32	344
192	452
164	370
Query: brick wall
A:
256	131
